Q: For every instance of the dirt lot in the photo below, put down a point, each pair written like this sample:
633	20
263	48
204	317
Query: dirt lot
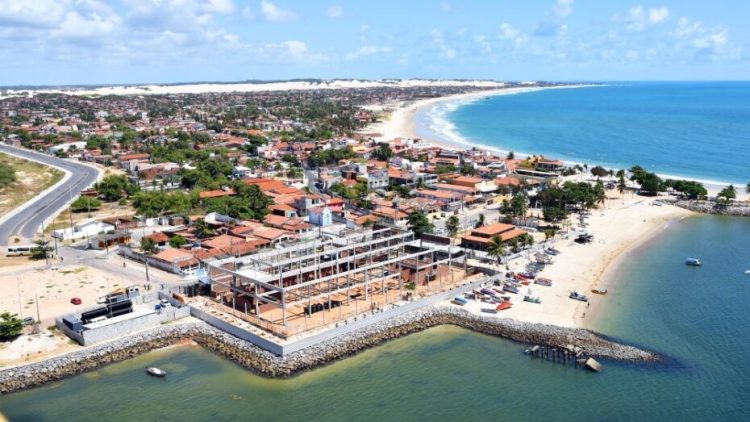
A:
32	178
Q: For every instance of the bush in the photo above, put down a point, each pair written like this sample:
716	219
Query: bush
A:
10	326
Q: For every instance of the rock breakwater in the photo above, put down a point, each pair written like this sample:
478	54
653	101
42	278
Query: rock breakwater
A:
268	364
736	209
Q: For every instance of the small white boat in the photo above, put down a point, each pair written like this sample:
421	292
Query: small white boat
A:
156	372
747	272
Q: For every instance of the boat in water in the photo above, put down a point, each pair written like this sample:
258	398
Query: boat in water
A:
156	372
693	262
578	296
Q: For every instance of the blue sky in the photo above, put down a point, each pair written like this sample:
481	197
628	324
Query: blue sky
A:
137	41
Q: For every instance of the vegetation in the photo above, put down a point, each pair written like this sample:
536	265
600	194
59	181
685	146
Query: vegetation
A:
85	203
383	153
248	203
10	326
148	245
556	201
7	174
41	249
688	188
480	221
650	183
177	241
330	156
203	229
599	171
727	194
420	224
154	204
496	249
113	187
452	226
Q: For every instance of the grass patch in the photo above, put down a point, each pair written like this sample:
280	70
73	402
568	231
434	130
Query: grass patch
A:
31	179
74	271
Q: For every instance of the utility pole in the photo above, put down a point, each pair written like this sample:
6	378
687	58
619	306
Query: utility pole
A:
38	317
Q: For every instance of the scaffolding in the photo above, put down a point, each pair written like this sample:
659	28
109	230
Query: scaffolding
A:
312	283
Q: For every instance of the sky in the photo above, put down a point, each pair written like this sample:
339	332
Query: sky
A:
63	42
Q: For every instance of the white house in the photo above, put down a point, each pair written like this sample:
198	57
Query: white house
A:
83	230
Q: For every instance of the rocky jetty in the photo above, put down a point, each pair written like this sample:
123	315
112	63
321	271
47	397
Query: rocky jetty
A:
268	364
737	209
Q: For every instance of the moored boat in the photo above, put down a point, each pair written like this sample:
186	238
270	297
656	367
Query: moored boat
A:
693	262
156	372
599	291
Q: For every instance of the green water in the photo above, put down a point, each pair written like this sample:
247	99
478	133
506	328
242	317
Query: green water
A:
696	316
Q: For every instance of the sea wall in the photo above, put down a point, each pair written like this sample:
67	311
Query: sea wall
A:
267	364
737	209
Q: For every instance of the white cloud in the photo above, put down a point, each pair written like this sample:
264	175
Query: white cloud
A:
273	13
509	33
438	41
563	8
657	15
335	12
223	7
91	25
485	46
639	18
368	50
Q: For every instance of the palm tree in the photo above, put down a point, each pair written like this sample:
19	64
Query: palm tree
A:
747	188
480	221
496	249
202	229
452	226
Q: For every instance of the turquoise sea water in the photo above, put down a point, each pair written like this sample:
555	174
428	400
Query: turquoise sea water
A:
698	317
696	130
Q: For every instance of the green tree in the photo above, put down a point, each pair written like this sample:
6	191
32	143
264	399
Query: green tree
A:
452	226
621	183
7	174
549	233
599	171
510	155
85	203
747	188
41	249
10	326
496	249
148	245
383	153
177	241
420	224
727	194
202	229
480	221
114	187
468	170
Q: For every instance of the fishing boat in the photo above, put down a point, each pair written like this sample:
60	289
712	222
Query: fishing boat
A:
599	291
747	272
510	289
693	262
156	372
578	296
543	281
504	305
489	310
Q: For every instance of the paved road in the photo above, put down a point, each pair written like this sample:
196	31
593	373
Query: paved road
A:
27	222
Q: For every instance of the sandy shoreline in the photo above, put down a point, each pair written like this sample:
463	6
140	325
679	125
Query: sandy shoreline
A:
401	123
583	267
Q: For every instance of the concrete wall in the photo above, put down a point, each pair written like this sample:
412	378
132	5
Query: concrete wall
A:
88	337
238	332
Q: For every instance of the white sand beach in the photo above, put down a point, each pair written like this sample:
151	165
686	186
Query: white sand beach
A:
622	224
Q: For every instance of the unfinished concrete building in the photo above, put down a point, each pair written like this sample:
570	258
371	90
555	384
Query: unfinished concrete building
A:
310	284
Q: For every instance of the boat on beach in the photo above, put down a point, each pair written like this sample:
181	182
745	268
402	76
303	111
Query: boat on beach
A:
599	291
504	305
693	262
578	296
543	281
459	301
156	372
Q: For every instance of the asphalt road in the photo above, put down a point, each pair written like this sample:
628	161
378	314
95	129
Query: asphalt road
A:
28	222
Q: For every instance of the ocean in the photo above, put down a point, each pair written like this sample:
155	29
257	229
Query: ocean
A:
696	317
697	130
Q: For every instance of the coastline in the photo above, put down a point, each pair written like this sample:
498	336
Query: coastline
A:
402	123
267	364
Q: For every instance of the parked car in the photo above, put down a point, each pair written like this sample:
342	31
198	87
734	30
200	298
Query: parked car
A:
28	320
76	301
